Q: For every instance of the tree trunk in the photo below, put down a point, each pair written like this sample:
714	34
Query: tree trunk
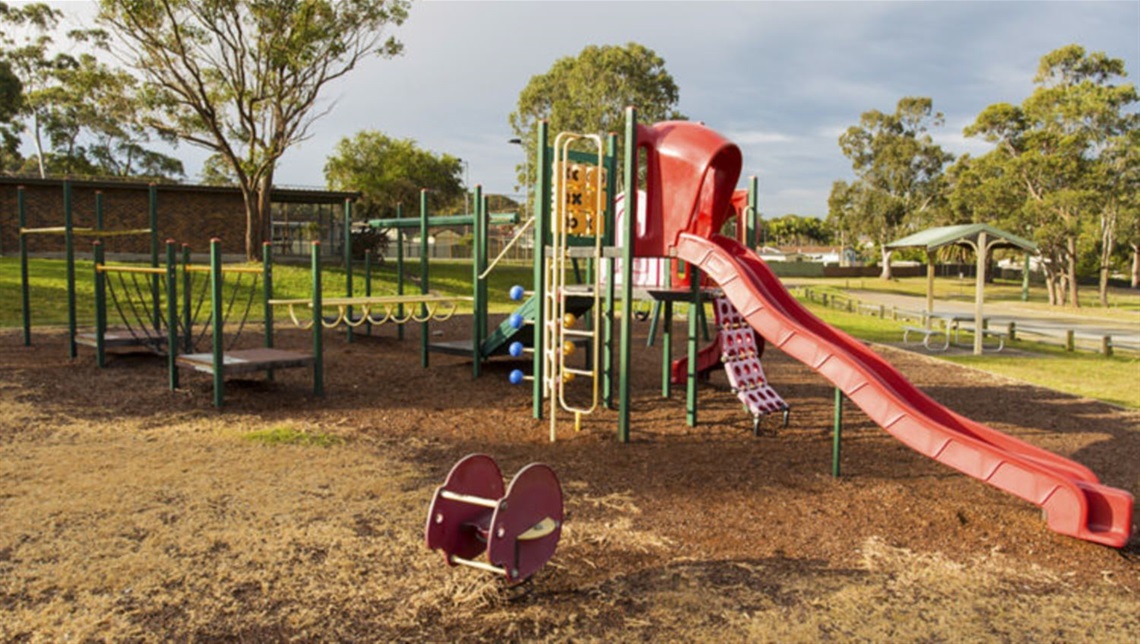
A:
1107	243
39	145
250	200
1050	272
264	214
1135	265
886	256
1071	270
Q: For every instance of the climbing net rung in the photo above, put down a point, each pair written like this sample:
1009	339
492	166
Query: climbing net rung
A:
249	270
144	270
376	310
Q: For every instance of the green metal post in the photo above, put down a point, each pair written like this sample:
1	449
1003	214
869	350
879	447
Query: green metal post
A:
171	314
99	256
477	260
425	326
608	263
25	295
318	324
187	286
267	290
629	228
368	272
1025	280
667	350
69	246
752	223
541	232
98	210
399	271
695	306
100	306
348	264
368	278
217	279
654	320
267	295
837	434
705	332
152	212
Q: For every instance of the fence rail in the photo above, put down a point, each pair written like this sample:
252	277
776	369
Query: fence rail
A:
1069	339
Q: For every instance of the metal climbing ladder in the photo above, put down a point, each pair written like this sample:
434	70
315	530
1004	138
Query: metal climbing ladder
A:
578	205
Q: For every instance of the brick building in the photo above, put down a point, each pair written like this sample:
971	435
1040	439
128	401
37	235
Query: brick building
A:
188	214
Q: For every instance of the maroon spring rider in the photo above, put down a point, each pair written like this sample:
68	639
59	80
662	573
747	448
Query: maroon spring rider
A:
518	527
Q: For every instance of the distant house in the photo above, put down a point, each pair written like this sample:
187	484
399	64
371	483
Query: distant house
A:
827	255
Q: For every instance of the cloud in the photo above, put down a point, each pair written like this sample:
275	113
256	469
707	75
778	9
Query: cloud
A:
757	137
782	79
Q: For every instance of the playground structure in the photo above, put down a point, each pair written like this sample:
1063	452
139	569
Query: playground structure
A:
518	527
178	327
576	222
689	192
69	233
691	173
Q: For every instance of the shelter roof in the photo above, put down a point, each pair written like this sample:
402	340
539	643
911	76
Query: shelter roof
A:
963	234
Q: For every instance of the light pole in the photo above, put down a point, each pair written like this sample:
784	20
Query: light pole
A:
526	175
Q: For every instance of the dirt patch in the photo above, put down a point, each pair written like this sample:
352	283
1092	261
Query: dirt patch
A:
130	511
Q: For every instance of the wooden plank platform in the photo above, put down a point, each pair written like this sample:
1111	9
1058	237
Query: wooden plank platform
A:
246	360
119	339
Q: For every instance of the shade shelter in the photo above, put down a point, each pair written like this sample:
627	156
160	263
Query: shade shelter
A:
982	238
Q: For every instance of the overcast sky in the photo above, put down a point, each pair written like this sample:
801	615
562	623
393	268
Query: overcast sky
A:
780	79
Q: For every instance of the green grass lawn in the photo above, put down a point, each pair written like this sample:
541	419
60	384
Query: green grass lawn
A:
48	287
1111	379
1122	302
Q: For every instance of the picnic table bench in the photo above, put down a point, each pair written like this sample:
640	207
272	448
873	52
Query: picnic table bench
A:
926	335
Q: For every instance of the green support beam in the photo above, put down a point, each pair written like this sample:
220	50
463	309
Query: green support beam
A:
318	323
25	298
541	228
217	278
348	263
69	252
629	228
425	326
478	259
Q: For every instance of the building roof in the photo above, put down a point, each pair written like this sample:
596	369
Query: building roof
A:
963	234
278	195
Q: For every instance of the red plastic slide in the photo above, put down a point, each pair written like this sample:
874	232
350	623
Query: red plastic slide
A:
1075	502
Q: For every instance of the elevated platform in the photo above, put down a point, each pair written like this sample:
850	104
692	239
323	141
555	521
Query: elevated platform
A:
246	361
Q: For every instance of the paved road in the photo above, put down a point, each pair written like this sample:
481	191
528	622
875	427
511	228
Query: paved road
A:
1090	329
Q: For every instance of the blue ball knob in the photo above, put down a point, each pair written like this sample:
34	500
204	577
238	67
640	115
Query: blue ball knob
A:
516	320
516	349
517	292
516	377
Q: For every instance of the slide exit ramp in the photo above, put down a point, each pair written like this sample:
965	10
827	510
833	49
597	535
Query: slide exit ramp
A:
1075	502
